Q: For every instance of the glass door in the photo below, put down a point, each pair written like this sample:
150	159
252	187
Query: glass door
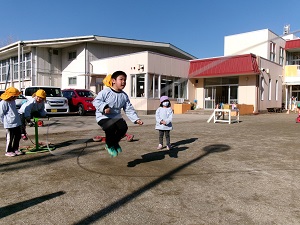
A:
233	94
209	99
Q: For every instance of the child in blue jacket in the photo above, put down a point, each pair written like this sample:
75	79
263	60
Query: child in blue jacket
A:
109	103
10	118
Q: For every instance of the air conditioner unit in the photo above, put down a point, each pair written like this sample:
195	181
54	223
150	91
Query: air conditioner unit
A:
180	100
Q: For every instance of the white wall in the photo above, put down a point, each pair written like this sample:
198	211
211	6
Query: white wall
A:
255	42
74	67
152	62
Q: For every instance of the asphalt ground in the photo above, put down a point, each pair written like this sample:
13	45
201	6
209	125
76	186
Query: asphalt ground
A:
215	173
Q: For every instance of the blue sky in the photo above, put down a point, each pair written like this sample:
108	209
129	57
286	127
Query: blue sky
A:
195	26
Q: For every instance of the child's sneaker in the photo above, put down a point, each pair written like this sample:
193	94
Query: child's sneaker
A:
111	151
129	137
18	152
159	146
168	147
118	148
97	138
10	154
24	137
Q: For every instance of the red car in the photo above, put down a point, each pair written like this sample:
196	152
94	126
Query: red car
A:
80	100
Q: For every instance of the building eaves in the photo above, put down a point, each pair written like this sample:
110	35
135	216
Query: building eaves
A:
224	66
164	48
292	45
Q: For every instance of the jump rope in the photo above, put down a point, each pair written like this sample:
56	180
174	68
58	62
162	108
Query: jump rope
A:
48	146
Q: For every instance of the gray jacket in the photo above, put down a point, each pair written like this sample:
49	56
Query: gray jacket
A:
165	114
9	115
116	101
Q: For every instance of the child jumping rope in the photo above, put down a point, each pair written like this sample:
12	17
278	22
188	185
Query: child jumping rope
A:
129	137
11	121
164	115
109	103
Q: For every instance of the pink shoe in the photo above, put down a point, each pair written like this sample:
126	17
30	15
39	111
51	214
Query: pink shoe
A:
97	138
159	147
24	137
129	137
17	152
10	154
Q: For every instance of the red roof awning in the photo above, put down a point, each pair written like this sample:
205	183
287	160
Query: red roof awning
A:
224	66
292	44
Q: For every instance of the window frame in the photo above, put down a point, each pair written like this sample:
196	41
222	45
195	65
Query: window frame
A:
72	55
70	79
272	51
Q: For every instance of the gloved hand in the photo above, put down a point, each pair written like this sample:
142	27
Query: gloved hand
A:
29	122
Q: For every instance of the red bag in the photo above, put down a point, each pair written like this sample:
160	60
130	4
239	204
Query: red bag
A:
298	119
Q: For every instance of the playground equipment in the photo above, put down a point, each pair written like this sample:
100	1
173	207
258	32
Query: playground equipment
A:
39	147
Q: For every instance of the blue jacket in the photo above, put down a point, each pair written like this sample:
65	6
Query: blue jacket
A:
9	115
165	114
32	106
116	101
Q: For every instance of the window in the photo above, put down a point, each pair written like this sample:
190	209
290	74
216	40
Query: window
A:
158	85
270	90
50	91
281	56
295	58
180	88
138	85
166	86
153	86
262	88
72	55
272	51
27	66
276	90
4	65
15	68
55	52
72	80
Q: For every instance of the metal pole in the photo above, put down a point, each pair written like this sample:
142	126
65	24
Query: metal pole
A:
36	132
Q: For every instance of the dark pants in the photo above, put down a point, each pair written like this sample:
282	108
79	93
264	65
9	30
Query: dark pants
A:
13	136
161	136
115	130
23	120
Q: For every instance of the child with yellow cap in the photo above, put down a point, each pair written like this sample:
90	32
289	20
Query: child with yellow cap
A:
109	103
107	81
11	121
33	107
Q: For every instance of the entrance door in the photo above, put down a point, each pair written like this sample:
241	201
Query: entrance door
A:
226	94
209	100
222	94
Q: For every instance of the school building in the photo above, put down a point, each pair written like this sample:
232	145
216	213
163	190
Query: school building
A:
259	69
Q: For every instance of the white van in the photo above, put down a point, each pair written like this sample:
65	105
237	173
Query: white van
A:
55	102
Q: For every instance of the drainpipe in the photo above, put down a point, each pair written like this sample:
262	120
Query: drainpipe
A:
23	67
257	105
19	65
85	67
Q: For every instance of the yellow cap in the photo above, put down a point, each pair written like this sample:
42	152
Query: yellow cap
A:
9	92
107	81
41	93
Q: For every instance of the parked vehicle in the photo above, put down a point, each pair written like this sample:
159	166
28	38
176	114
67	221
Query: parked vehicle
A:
55	102
80	100
19	101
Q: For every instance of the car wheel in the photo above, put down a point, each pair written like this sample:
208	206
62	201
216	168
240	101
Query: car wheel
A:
81	111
